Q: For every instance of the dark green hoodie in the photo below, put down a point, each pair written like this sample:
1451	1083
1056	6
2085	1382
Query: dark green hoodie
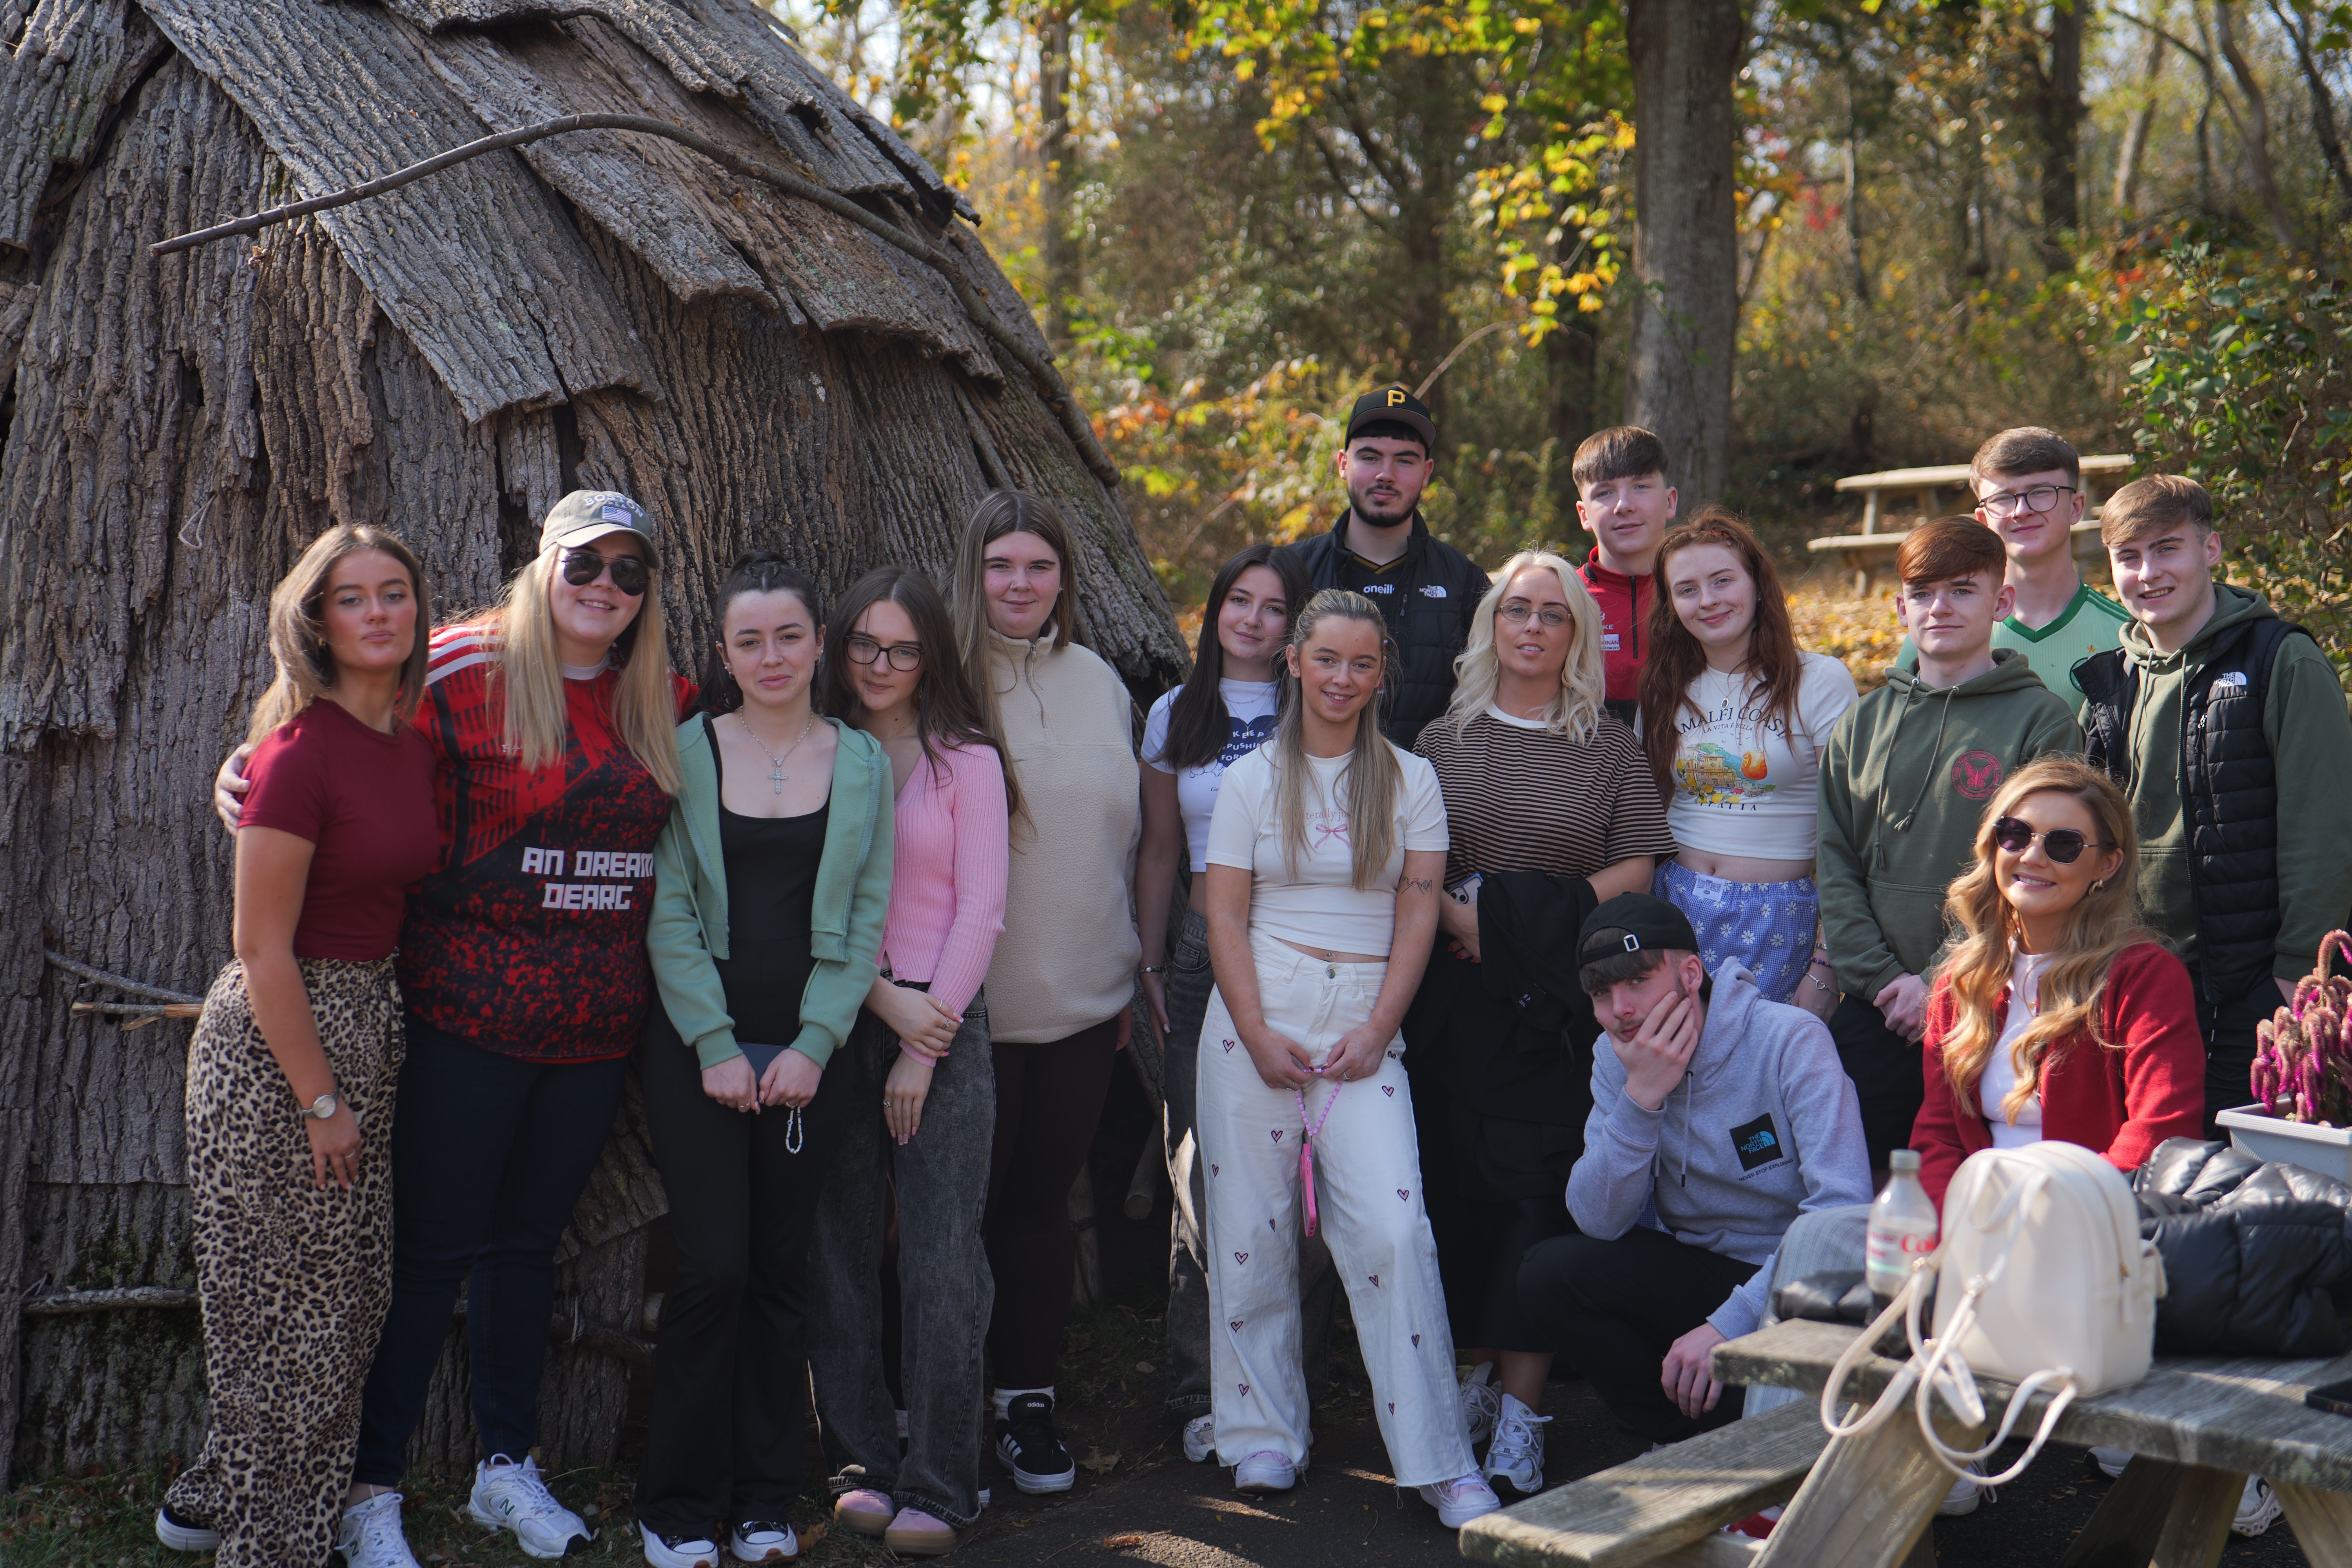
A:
2306	704
1905	781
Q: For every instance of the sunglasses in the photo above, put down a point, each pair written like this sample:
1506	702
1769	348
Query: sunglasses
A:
2062	844
630	575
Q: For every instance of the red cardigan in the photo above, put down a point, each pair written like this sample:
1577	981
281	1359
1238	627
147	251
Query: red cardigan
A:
2122	1100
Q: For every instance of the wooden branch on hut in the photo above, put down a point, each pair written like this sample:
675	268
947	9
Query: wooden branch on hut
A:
136	988
1047	380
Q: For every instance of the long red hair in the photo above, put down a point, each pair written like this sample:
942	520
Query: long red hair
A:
1676	659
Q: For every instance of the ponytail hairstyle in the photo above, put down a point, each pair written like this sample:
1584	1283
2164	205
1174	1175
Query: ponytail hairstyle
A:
947	710
1774	668
1982	962
1372	778
298	636
756	572
1198	724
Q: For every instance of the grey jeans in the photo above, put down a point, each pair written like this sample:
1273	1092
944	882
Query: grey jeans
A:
945	1289
1190	981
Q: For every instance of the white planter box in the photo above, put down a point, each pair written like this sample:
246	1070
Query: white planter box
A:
2326	1150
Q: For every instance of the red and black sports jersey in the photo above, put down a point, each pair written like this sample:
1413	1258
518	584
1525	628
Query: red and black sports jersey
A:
530	940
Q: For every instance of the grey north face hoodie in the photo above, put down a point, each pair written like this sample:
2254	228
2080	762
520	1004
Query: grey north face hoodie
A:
1763	1127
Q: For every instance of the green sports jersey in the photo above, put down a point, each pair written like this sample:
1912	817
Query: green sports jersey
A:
2093	623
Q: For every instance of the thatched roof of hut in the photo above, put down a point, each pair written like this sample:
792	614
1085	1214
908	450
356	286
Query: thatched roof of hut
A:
600	309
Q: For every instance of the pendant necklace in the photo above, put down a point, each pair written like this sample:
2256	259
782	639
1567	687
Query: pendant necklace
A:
776	775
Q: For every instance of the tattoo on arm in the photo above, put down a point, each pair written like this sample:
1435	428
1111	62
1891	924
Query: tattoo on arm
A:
1416	884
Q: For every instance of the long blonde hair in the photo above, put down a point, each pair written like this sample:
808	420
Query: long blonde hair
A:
2072	986
527	676
1575	712
297	637
1372	775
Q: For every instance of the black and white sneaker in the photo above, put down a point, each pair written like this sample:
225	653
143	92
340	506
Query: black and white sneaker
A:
1027	1445
184	1534
763	1541
677	1550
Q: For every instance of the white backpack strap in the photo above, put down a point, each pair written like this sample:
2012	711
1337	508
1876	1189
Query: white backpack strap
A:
1905	1305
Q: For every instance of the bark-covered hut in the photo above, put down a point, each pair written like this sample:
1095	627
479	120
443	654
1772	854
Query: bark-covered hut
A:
599	309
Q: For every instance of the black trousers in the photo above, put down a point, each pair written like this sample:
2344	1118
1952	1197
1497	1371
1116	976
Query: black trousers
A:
1613	1309
1884	1068
1495	1189
489	1157
2229	1031
730	1381
1048	1098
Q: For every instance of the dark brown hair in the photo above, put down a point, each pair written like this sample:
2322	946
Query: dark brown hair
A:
1198	724
947	710
1944	547
1623	452
298	633
1774	668
754	571
2154	505
2027	450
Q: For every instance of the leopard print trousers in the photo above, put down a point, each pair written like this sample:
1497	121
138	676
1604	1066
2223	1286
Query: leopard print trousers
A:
292	1279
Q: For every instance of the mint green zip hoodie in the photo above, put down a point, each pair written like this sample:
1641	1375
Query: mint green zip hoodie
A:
688	928
1905	781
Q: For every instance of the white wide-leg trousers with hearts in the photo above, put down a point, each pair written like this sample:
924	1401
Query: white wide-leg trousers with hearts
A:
1369	1209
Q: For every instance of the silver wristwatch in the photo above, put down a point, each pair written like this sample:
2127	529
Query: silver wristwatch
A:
320	1109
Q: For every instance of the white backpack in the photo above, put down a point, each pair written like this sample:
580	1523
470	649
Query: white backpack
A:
2042	1279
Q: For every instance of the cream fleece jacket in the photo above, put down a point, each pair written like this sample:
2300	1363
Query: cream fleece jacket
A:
1066	959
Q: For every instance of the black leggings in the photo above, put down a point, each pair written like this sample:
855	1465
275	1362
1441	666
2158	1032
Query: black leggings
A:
1613	1309
489	1153
1048	1099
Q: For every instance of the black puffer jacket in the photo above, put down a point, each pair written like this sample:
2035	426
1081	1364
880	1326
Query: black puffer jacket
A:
1427	596
2257	1259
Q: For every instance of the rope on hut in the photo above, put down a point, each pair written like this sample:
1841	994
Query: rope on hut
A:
1041	373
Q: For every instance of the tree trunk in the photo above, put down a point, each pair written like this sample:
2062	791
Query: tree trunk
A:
2297	28
1685	54
1571	352
1055	148
2058	113
1429	136
2129	164
2256	127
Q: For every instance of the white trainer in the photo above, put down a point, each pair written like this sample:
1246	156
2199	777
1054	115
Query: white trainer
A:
1965	1493
2258	1508
1267	1471
763	1541
1200	1439
1517	1456
2111	1461
1460	1500
370	1537
677	1550
1481	1402
508	1496
184	1534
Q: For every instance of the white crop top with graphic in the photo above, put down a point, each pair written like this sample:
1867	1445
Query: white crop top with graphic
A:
1747	786
1249	708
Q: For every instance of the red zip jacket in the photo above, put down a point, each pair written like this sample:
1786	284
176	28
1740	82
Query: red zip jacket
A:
1624	607
2120	1100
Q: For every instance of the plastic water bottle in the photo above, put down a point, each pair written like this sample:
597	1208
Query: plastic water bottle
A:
1903	1226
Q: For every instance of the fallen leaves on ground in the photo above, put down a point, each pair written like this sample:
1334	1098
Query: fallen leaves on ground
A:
1121	1542
1859	631
1101	1463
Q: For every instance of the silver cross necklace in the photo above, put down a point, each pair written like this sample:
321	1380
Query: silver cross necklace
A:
776	775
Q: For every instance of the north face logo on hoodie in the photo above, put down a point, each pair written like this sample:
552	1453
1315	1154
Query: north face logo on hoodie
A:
1758	1143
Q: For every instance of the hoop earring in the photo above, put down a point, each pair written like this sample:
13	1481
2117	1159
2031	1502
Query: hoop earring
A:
2099	886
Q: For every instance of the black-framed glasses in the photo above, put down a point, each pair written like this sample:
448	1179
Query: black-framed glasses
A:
630	575
2062	844
1518	612
903	656
2036	498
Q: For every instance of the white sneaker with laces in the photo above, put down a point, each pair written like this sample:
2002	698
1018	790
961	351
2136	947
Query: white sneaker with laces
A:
763	1541
184	1534
1200	1438
676	1551
370	1537
1460	1500
2111	1461
1481	1402
2258	1508
508	1496
1517	1454
1267	1471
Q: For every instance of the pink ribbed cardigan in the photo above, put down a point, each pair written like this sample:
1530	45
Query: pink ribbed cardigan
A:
946	876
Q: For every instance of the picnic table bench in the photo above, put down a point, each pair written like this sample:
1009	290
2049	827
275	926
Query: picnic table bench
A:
1872	551
2197	1426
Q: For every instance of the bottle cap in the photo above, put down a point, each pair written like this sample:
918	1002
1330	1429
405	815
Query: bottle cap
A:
1903	1160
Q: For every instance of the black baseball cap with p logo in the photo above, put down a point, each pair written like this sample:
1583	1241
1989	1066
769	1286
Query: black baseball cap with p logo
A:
1392	405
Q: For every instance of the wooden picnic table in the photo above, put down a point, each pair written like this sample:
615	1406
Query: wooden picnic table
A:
1935	492
2197	1424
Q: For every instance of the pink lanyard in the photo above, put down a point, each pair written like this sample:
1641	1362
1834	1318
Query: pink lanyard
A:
1307	1148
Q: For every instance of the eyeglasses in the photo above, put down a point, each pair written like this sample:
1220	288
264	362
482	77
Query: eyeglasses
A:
1518	615
903	656
630	575
2062	844
2041	497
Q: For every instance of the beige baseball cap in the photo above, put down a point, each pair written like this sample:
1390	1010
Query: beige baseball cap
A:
585	515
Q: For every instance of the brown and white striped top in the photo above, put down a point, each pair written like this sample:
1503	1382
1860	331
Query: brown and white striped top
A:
1519	797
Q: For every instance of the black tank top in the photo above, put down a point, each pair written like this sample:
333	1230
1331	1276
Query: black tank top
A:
771	865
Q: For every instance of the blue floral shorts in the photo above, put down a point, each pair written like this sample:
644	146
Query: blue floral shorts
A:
1767	926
